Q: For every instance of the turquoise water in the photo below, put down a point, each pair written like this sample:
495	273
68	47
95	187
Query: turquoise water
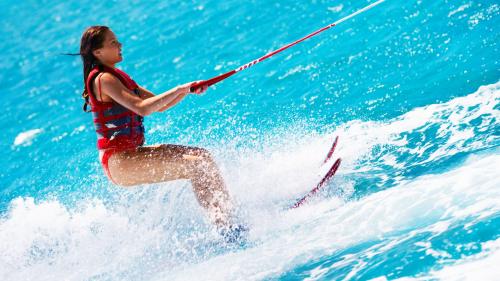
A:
411	87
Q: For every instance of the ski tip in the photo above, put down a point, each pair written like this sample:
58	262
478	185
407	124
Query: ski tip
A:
332	150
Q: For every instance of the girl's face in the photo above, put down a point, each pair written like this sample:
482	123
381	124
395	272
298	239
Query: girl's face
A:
111	50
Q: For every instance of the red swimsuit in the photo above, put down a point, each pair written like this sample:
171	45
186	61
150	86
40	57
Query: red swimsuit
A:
117	128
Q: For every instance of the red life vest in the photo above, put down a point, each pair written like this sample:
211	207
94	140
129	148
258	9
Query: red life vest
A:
116	126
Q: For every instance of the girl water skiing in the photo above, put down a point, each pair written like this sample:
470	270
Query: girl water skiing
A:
118	106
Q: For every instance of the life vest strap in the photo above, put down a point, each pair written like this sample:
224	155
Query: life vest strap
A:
114	117
104	130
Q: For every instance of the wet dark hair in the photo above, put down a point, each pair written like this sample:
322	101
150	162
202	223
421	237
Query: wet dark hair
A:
92	39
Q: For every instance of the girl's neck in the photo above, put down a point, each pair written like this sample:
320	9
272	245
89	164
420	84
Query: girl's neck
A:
109	65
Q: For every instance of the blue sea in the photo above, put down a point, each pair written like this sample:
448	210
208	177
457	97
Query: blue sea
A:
412	89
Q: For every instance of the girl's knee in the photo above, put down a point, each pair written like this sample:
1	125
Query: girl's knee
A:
199	155
202	152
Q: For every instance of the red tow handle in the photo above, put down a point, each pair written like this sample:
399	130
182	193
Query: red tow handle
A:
211	81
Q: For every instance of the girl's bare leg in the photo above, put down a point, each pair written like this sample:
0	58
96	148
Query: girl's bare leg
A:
153	164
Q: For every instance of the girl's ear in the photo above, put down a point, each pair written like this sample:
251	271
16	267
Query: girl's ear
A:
96	53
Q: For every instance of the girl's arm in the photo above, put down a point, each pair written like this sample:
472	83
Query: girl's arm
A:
145	93
141	105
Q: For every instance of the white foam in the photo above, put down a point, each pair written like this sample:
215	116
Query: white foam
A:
459	9
26	138
336	9
303	234
50	241
289	164
482	266
159	231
